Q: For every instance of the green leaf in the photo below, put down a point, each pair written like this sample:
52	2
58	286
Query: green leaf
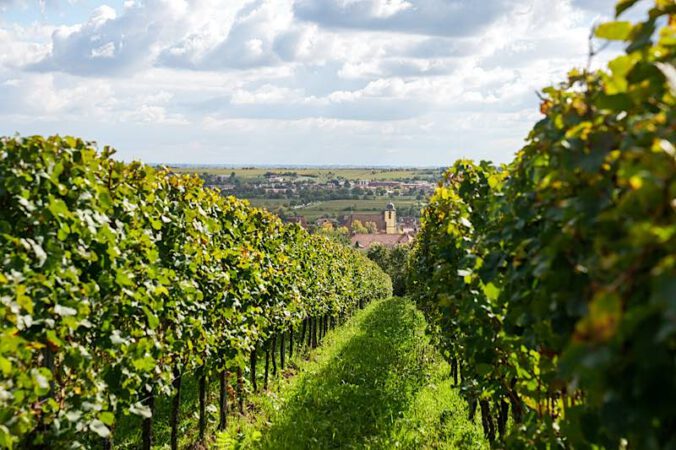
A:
123	278
5	366
641	36
621	65
491	291
105	199
145	364
24	301
107	417
615	102
6	439
614	31
153	320
63	232
58	207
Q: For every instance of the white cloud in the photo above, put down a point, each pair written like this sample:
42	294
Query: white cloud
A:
333	81
100	16
265	95
105	51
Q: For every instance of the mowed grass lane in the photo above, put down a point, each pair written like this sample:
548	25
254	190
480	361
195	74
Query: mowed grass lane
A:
376	382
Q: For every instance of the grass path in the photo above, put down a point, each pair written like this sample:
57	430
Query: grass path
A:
376	382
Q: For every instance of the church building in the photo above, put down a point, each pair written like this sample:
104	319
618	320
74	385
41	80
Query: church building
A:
390	217
386	222
388	232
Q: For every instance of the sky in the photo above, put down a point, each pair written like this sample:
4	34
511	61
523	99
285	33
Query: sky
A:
316	82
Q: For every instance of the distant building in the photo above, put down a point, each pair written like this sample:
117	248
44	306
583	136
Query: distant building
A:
389	232
386	222
324	220
388	240
384	184
378	219
390	219
409	225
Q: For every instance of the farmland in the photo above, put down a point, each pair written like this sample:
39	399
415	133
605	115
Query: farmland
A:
320	174
314	193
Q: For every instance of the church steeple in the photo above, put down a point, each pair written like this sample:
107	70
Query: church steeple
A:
390	219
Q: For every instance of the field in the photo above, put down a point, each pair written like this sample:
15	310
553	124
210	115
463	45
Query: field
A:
323	192
321	174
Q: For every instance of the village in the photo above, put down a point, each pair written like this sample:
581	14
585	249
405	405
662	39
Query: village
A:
384	209
365	230
290	185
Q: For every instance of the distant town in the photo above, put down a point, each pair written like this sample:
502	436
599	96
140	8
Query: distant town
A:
368	206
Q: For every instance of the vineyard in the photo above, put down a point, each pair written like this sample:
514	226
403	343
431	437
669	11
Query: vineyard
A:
119	279
548	285
551	282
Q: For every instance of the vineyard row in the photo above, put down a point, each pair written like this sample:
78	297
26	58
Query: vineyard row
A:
117	278
551	282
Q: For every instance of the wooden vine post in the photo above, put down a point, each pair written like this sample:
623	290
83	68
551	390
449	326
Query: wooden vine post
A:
175	409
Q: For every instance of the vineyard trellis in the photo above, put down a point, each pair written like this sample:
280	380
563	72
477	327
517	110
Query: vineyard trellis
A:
551	281
118	279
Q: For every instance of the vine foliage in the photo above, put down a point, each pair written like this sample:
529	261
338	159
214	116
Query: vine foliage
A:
551	281
116	277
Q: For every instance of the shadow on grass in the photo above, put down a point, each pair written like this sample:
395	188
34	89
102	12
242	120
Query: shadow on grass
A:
354	400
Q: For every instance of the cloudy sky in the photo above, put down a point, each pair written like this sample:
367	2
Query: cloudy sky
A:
375	82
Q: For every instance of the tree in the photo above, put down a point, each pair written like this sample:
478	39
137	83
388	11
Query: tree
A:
358	227
327	226
378	254
392	261
371	227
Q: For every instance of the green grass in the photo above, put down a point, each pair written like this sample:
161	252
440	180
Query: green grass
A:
127	433
376	382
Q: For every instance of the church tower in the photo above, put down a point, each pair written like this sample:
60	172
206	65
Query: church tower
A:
390	219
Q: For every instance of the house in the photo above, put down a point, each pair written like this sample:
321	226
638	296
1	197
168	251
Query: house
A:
324	220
